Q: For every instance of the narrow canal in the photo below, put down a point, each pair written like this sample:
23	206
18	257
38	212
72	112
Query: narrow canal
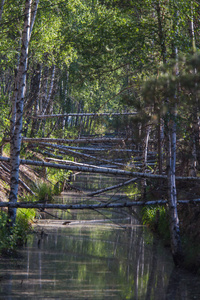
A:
94	255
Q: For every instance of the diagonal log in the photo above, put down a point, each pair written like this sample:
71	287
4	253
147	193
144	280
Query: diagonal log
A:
95	149
113	187
25	186
75	153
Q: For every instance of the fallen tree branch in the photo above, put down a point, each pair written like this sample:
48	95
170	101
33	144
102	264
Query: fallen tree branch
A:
87	169
82	115
43	206
69	162
73	141
96	149
78	206
75	153
97	170
112	187
24	185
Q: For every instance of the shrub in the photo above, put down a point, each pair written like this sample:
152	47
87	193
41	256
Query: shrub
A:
158	220
44	192
10	240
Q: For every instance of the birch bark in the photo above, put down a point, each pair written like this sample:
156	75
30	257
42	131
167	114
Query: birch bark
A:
174	219
196	120
162	41
84	115
97	170
17	112
176	247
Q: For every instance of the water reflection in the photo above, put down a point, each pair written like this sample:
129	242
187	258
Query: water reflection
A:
95	262
103	259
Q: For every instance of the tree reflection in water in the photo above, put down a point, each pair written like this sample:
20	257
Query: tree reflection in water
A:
95	260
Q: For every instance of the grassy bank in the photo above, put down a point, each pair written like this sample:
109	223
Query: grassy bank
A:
10	240
157	219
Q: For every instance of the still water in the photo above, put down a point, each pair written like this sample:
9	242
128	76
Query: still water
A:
94	255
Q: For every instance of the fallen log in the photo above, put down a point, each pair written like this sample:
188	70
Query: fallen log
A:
74	141
97	170
43	206
97	149
69	162
112	187
75	153
86	169
23	184
82	115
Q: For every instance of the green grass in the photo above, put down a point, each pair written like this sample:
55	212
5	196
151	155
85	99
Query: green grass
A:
44	192
157	219
11	240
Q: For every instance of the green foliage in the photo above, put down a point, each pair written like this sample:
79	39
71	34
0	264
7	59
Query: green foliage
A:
9	241
55	175
157	219
23	224
44	191
132	191
58	178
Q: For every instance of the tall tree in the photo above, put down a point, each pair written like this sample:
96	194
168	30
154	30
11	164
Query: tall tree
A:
17	111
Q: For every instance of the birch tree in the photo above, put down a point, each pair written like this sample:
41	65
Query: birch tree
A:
17	110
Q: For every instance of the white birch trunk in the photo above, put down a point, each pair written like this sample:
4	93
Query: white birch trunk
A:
75	153
97	170
145	154
89	206
196	127
18	112
33	16
176	247
84	115
174	219
50	91
76	141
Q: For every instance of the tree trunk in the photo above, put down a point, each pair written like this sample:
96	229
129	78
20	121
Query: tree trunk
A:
162	41
84	206
160	143
1	8
18	113
196	121
31	106
33	15
145	154
97	170
37	83
84	115
75	141
174	219
176	247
